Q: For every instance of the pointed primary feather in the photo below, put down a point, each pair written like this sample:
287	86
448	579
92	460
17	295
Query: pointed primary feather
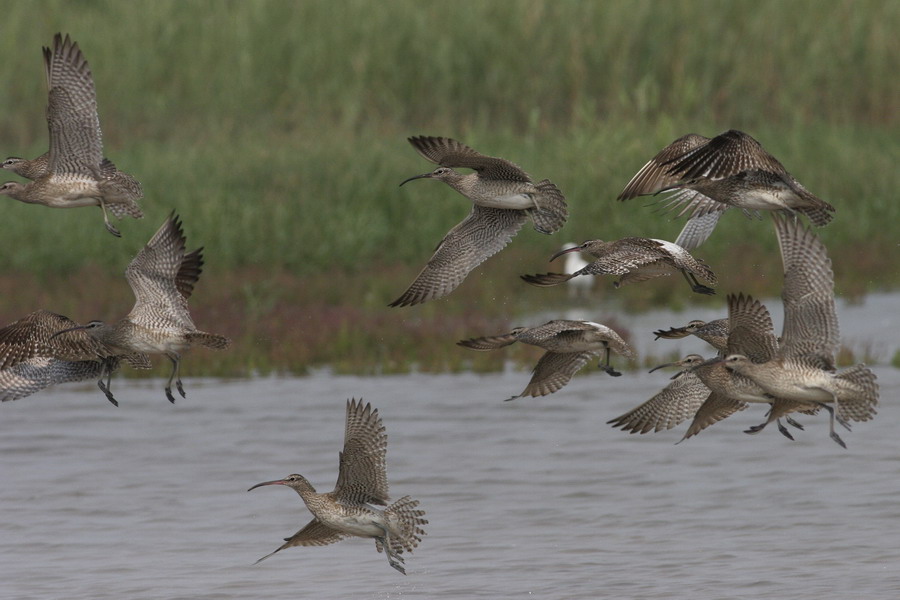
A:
725	155
750	329
452	153
654	176
810	318
160	284
75	139
554	370
362	473
479	236
697	229
673	404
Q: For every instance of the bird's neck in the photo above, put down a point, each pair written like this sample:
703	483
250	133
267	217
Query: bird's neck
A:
461	183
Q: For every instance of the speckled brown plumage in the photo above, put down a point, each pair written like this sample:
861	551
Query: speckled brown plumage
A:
734	169
162	277
76	173
362	482
33	356
570	345
503	196
634	259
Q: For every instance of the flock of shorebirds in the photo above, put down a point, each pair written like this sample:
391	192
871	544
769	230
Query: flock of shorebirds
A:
699	177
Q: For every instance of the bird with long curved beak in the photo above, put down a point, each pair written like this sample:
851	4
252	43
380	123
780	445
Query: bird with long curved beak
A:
162	277
634	259
351	508
569	344
503	197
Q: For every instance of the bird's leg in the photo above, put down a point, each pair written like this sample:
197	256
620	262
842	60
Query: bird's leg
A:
840	419
107	373
109	226
696	286
395	560
606	366
105	389
831	431
838	414
176	362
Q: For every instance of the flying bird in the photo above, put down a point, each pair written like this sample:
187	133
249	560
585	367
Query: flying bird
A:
503	197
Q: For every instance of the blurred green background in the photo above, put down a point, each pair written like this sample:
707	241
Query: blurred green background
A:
278	131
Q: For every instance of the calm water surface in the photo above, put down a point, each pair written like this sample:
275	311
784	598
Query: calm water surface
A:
537	497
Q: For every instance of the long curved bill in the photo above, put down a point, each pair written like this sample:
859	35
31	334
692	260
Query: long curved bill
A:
62	331
677	363
276	482
422	176
566	251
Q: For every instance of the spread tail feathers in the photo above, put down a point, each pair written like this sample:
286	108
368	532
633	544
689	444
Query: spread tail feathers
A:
210	340
406	521
551	210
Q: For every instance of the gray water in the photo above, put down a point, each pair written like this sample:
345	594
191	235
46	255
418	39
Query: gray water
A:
536	497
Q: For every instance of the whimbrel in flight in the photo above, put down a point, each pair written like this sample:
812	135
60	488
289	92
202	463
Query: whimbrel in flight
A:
569	344
350	508
679	400
705	389
502	196
654	178
40	166
714	333
731	169
728	393
162	277
634	259
803	368
32	357
75	173
750	334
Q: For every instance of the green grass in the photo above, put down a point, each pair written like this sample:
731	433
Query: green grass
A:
277	130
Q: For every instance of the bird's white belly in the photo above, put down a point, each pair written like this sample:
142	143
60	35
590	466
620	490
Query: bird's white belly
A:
158	340
512	201
764	199
799	387
70	193
362	525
